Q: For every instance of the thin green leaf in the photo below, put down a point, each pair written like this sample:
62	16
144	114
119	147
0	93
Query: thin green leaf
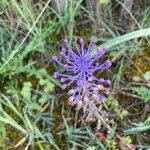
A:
127	37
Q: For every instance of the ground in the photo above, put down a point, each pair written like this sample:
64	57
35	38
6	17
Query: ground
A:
34	109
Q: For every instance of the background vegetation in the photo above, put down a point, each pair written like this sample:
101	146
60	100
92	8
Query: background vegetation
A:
34	113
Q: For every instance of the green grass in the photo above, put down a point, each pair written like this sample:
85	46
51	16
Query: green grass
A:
34	113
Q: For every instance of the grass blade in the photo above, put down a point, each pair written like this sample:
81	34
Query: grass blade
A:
127	37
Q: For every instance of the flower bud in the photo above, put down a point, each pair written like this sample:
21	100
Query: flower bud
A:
55	58
101	98
98	98
70	100
65	41
62	80
85	100
95	89
63	51
101	80
81	41
92	42
107	81
107	64
95	97
97	64
107	92
75	39
56	74
90	79
100	51
70	92
65	66
85	103
79	105
64	86
101	87
78	82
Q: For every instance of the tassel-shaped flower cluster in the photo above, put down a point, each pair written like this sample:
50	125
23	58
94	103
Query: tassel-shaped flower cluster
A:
81	65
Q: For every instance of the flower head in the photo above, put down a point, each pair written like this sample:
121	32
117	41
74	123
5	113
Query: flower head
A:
81	66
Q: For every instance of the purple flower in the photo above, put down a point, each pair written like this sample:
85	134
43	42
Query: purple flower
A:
81	66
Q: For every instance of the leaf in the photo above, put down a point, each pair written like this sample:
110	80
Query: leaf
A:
49	87
137	129
28	121
104	1
33	105
9	120
127	37
143	92
26	90
147	75
136	78
43	99
42	81
10	105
